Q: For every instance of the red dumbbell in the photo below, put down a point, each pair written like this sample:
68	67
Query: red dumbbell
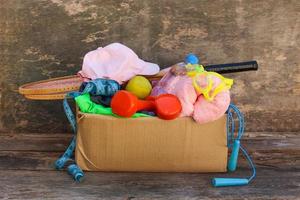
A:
166	106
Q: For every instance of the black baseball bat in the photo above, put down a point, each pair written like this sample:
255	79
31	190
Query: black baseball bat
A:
233	67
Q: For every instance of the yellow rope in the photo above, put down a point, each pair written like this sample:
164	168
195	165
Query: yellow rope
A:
195	71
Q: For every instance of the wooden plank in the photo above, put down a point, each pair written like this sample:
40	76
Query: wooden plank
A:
28	160
272	145
280	157
157	31
34	142
39	151
269	184
58	142
271	135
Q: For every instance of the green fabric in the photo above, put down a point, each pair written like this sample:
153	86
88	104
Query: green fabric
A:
87	106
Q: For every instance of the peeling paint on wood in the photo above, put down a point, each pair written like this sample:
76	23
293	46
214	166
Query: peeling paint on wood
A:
45	39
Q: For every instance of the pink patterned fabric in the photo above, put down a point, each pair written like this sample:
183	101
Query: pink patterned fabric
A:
193	104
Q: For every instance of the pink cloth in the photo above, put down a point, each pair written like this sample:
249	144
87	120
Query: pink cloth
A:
205	111
194	104
115	61
180	86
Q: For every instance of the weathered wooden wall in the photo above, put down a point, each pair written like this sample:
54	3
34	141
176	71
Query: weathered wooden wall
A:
47	38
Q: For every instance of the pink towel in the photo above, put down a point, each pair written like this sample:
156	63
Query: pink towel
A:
194	104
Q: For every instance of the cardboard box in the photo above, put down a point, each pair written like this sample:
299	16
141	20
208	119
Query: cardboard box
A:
150	144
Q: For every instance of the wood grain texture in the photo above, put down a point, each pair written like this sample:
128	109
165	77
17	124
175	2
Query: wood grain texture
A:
44	39
39	151
32	160
34	142
269	184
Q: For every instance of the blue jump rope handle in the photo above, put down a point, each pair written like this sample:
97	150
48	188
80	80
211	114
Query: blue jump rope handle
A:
97	87
221	182
76	172
232	163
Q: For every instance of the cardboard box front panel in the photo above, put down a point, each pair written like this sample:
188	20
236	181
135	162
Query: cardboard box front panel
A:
150	144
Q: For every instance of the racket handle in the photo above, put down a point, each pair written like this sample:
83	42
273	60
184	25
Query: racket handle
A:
233	67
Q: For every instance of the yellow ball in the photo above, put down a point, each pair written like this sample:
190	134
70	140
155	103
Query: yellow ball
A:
139	86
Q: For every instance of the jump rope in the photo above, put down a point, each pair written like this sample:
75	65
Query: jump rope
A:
109	88
234	143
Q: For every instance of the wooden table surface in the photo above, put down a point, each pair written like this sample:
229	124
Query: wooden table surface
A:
26	172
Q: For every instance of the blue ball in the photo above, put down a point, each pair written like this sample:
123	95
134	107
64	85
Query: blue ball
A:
192	59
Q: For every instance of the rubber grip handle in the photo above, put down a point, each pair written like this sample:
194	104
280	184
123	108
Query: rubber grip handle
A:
233	67
232	163
222	182
76	172
60	163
